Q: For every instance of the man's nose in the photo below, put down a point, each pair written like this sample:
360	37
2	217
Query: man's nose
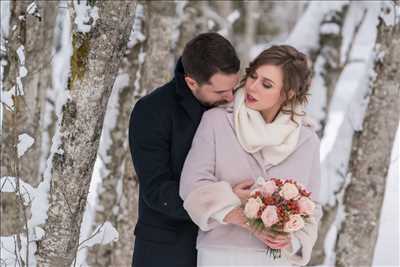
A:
229	96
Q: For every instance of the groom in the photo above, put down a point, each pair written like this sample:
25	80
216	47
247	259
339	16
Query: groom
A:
161	129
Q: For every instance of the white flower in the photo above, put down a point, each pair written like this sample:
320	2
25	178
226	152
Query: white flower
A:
294	224
252	207
289	191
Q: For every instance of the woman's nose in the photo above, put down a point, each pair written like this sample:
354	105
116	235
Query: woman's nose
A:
252	86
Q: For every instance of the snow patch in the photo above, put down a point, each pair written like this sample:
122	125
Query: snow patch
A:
308	40
11	255
316	107
330	28
25	141
86	16
347	106
6	99
234	16
33	9
137	36
103	234
388	13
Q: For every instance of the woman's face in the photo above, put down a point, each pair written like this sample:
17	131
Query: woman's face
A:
263	89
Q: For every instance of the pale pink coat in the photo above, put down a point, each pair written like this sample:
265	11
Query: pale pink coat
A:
216	162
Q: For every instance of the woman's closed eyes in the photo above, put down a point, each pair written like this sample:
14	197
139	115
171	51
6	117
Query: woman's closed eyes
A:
265	85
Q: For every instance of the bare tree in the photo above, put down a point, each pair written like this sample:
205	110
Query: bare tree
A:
252	17
94	64
118	193
148	64
327	67
370	158
27	77
162	35
192	23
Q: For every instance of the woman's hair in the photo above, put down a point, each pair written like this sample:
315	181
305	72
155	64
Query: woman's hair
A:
295	69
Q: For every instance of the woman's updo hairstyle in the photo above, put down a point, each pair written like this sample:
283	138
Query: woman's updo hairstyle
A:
295	69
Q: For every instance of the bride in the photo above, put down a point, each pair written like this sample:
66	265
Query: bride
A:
263	133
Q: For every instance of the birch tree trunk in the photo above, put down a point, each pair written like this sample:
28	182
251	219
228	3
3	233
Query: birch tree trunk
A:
27	78
192	23
224	9
370	157
327	66
149	65
250	30
94	64
118	194
162	35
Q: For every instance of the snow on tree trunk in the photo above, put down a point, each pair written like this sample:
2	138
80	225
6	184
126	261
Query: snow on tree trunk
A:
370	157
252	16
117	196
192	23
327	68
118	192
344	116
98	47
162	35
26	81
224	10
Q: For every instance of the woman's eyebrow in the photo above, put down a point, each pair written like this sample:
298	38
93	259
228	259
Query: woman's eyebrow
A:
265	78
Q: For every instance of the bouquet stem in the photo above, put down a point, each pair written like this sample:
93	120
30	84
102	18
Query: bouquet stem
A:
275	253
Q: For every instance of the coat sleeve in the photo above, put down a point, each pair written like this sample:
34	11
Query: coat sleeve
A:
149	139
309	234
206	197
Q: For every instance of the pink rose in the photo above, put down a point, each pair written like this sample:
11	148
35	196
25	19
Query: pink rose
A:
294	224
306	206
252	207
269	187
269	216
289	191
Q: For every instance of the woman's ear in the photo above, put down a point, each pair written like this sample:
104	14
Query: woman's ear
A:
291	94
191	83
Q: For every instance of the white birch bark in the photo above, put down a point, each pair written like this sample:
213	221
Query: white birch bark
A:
370	157
94	64
26	79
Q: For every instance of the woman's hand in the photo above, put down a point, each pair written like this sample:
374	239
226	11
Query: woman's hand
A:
242	190
271	239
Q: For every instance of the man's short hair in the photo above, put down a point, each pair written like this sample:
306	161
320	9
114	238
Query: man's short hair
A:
207	54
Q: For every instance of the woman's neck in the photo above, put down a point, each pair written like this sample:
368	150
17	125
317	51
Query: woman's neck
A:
270	114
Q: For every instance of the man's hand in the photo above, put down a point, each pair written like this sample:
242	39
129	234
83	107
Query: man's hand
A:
242	189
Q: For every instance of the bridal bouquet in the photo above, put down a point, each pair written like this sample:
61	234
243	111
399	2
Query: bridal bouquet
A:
282	206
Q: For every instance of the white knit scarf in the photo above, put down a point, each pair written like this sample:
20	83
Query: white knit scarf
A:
276	140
